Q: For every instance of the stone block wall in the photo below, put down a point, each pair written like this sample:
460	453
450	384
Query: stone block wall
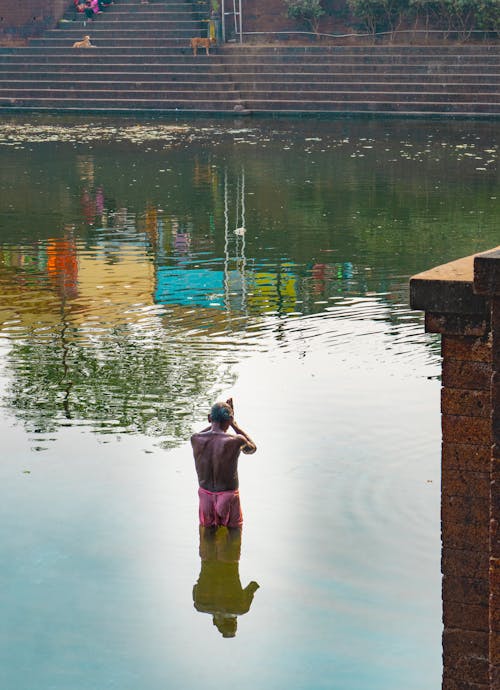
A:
22	19
460	303
465	506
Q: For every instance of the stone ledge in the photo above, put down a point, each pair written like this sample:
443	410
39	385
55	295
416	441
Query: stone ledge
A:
458	287
487	273
447	289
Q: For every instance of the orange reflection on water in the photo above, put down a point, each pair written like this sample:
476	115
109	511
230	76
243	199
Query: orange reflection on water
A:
62	266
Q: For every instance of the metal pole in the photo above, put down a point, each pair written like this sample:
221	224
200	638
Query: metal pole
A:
223	20
243	245
226	245
243	198
241	24
236	225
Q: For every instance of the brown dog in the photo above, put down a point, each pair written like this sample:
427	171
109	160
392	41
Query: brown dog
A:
84	43
201	43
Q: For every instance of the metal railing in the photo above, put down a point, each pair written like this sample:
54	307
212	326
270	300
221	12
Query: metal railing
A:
426	32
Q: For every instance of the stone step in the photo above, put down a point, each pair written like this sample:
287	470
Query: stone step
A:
452	49
187	63
148	14
133	39
265	107
161	70
373	107
131	5
187	77
127	27
106	51
106	55
140	46
212	84
209	81
71	60
184	63
111	37
84	95
181	38
143	11
316	96
121	105
133	21
107	71
364	59
188	72
333	53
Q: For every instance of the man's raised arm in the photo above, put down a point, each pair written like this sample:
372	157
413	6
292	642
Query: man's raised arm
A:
248	446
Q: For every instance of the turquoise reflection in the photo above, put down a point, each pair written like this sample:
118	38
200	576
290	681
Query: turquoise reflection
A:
199	287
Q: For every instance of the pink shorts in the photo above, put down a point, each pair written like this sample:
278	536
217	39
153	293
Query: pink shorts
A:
220	508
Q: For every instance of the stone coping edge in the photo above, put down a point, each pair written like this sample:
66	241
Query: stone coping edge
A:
458	287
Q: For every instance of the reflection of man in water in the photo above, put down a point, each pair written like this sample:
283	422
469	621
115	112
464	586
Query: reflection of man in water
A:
218	590
216	456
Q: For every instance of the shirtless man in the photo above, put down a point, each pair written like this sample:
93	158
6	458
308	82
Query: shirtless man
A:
216	456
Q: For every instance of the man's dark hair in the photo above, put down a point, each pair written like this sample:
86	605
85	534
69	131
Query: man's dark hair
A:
221	413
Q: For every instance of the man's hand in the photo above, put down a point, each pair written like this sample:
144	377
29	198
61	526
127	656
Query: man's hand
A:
248	446
229	402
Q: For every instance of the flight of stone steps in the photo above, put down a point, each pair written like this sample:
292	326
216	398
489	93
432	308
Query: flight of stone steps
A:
407	80
142	62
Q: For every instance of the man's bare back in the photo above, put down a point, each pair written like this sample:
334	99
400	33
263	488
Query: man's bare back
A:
216	452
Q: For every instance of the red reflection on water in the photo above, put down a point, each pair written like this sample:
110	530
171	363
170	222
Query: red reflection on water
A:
62	266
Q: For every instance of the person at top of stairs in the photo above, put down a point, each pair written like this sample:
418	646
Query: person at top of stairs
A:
91	7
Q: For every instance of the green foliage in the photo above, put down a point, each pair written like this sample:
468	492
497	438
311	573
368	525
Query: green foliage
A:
116	385
487	15
426	9
452	16
459	14
307	12
379	15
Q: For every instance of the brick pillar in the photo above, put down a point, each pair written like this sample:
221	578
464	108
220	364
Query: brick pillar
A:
465	508
495	502
462	317
487	283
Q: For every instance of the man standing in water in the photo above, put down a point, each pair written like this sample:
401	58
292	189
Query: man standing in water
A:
216	456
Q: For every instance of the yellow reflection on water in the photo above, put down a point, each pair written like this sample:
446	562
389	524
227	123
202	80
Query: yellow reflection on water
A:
219	591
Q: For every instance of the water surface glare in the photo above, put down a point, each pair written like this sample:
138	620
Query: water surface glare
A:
149	268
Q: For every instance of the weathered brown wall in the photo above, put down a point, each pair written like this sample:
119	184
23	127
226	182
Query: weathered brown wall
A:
465	506
271	16
461	301
21	19
487	283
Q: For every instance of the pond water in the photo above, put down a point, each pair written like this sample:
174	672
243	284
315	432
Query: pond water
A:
148	269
